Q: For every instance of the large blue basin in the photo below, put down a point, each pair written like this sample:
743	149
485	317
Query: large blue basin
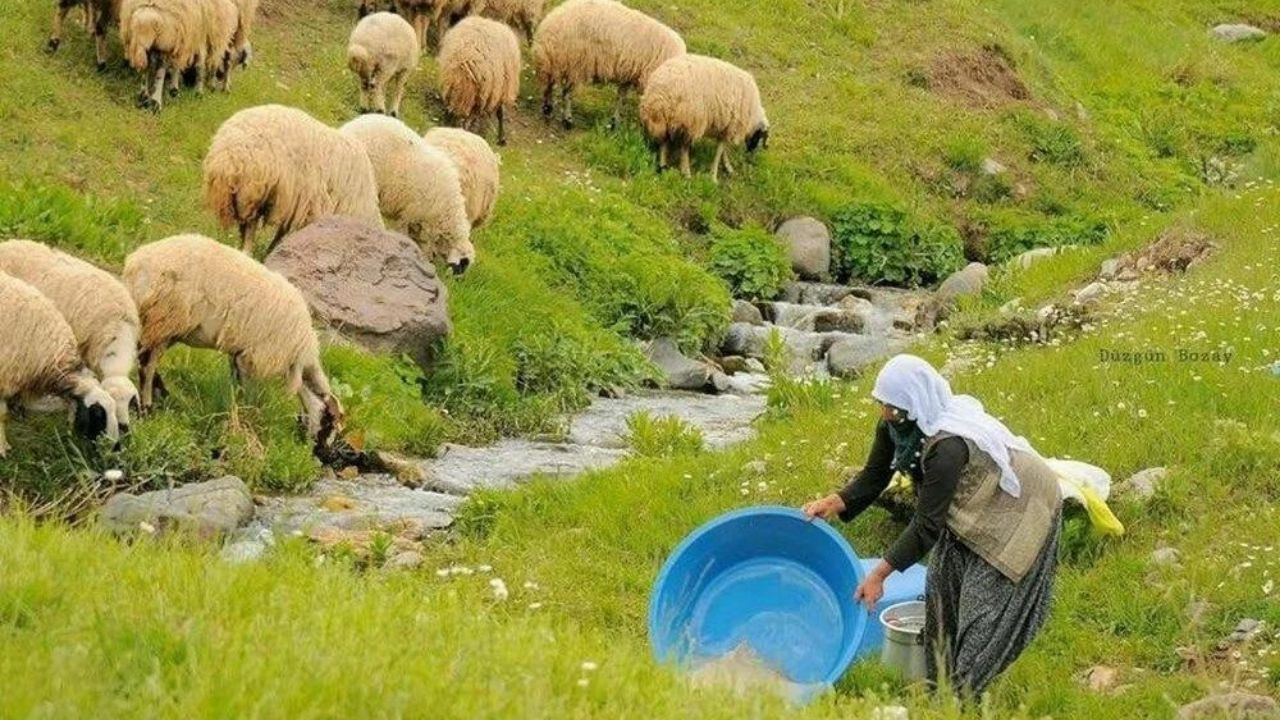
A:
766	577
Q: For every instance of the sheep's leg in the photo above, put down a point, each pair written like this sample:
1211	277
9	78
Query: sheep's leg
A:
322	414
502	129
224	72
422	23
4	418
148	364
728	166
686	166
661	155
100	24
175	78
155	76
247	231
548	99
237	381
202	74
60	17
617	108
566	103
716	162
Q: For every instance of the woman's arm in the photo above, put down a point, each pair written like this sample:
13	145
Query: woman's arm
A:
874	477
941	468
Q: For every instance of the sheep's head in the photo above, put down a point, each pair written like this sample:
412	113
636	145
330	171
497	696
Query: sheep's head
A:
363	65
759	138
453	249
332	421
460	257
125	395
95	409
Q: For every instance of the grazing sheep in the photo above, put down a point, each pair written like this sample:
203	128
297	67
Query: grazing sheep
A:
382	51
221	24
38	357
165	37
242	43
96	306
276	165
418	188
523	15
100	15
694	97
479	71
598	41
478	169
195	291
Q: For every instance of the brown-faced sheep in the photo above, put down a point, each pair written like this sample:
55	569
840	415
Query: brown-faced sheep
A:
192	290
598	41
38	357
443	13
382	52
276	165
100	15
418	188
479	72
523	15
478	169
96	306
693	97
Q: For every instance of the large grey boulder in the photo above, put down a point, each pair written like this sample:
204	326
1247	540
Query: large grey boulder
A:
849	356
964	282
1237	32
809	245
207	509
371	286
745	312
684	373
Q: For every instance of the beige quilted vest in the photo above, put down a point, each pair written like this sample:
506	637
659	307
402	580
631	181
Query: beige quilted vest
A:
1005	531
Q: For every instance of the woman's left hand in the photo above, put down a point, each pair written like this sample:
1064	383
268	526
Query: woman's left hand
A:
871	589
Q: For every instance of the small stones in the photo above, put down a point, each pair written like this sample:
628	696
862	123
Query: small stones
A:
407	560
1090	293
1165	556
1245	631
745	312
1231	706
1100	678
1237	32
1144	484
1110	268
991	166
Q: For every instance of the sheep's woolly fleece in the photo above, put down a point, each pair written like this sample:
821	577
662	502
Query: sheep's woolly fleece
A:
478	169
418	186
383	46
584	41
522	15
193	290
280	166
175	28
694	96
37	347
479	67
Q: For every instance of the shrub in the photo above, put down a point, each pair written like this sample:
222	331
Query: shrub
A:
665	436
877	242
1011	233
383	400
751	261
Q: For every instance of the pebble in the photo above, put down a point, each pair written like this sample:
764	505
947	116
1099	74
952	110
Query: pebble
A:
1166	556
408	560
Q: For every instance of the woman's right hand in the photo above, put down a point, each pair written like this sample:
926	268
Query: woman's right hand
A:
827	508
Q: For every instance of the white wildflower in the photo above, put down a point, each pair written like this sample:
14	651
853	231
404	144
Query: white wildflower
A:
499	589
589	666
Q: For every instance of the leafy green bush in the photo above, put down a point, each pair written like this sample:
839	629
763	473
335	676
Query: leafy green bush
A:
877	242
664	436
383	400
751	261
72	221
1013	232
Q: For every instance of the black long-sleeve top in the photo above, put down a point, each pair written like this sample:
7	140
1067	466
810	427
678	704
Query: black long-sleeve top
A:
935	479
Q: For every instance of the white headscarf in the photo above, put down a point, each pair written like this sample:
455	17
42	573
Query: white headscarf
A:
911	384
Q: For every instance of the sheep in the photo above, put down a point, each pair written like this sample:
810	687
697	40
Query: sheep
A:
382	51
479	71
276	165
166	37
694	96
99	16
598	41
38	357
96	306
221	27
523	15
367	6
418	188
192	290
444	13
478	169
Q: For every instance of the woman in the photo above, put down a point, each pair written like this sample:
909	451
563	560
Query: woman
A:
986	504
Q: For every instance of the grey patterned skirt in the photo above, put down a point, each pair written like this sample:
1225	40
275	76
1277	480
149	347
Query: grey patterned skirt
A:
978	621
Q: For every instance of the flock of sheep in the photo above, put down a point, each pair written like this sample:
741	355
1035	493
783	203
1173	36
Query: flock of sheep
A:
74	331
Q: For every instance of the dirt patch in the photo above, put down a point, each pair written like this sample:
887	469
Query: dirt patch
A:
985	78
1176	250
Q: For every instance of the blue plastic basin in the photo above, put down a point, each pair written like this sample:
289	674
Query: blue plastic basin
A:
766	577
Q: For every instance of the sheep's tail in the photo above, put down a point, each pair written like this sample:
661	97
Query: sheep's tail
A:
145	27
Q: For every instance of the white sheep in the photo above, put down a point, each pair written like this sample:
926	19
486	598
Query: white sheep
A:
276	165
523	15
418	188
479	71
693	97
382	52
478	169
242	43
96	306
598	41
195	291
38	357
162	37
100	15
